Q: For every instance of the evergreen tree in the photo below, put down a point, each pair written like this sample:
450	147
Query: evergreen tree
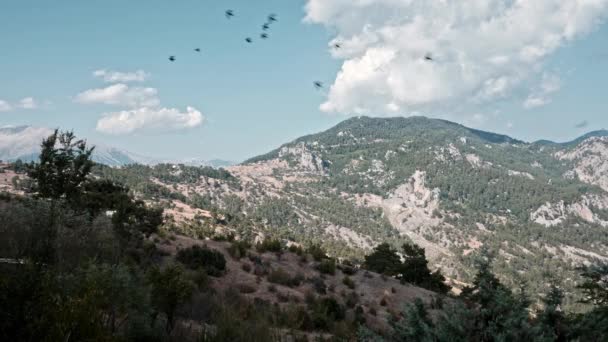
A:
63	167
551	321
383	260
415	270
416	324
170	289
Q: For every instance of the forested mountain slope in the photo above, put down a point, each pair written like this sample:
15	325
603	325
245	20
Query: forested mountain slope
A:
542	207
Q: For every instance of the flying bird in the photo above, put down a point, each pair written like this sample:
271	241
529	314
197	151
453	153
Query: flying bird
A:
229	13
265	27
263	35
337	45
172	58
249	40
428	57
272	18
197	50
318	84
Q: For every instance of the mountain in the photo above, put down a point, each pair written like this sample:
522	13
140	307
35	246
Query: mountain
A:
541	208
23	142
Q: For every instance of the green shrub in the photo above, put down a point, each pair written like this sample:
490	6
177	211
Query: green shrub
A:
202	257
317	252
319	285
296	249
348	282
327	266
325	312
279	276
269	245
238	249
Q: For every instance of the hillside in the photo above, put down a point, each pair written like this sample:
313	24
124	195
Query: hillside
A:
327	238
449	188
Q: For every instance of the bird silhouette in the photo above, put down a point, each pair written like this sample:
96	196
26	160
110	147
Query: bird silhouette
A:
249	40
265	26
229	13
272	18
197	50
172	58
263	35
337	45
428	57
318	84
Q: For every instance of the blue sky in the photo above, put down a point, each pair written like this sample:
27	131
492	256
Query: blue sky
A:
255	97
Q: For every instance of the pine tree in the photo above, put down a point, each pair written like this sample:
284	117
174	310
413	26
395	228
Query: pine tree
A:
63	167
383	260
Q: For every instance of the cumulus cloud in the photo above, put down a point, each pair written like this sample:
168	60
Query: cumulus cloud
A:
120	94
5	106
28	103
117	76
541	96
159	119
482	50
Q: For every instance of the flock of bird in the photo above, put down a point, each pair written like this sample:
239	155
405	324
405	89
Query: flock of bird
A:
272	18
264	35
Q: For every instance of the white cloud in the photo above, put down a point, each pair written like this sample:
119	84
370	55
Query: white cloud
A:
117	76
5	106
122	95
549	84
482	50
28	103
158	119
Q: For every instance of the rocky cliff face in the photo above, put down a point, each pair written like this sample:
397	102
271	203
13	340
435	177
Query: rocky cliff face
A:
590	158
304	158
551	214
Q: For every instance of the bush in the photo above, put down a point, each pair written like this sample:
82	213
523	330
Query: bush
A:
296	249
201	279
325	312
348	269
269	245
246	288
238	249
327	266
296	280
348	282
319	285
279	276
317	252
202	257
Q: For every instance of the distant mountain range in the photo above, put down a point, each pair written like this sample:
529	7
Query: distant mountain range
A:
23	142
